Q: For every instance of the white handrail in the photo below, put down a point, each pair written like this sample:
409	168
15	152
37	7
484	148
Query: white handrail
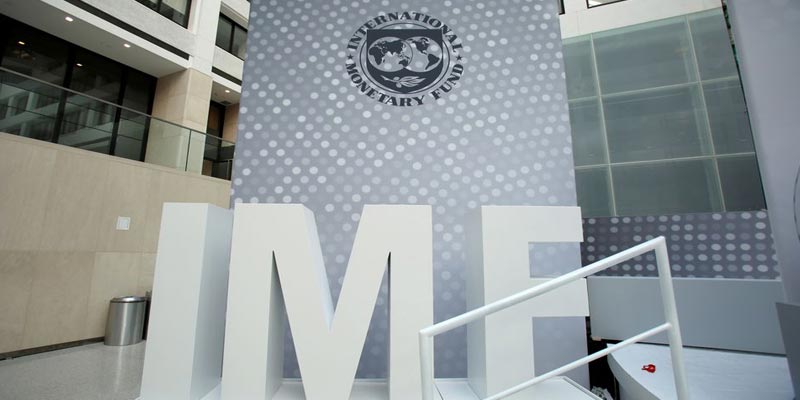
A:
672	327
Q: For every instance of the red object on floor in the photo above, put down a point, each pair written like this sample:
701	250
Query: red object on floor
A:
649	368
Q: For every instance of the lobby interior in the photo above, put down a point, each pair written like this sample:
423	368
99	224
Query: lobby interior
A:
673	119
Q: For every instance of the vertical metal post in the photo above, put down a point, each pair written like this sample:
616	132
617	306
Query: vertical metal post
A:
671	315
188	151
426	370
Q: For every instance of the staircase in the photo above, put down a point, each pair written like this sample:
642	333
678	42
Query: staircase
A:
552	386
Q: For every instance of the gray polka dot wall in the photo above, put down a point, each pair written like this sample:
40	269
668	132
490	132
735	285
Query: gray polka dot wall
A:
502	136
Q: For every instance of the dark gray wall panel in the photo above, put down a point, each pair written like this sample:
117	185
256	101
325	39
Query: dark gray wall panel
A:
732	314
706	245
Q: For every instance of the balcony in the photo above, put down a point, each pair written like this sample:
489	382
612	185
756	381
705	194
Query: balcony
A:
34	108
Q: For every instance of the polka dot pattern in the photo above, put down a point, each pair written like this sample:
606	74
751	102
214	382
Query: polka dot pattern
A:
708	245
502	137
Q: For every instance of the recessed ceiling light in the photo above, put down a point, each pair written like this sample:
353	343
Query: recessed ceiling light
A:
127	46
79	64
227	91
69	19
21	42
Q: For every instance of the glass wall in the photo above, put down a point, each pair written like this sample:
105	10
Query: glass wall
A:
88	119
659	122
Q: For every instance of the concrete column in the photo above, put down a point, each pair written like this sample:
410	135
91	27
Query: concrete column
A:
181	98
204	18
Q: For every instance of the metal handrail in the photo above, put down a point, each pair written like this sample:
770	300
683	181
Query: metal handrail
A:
672	327
31	78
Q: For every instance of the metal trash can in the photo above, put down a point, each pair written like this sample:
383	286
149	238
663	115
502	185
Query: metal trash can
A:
125	321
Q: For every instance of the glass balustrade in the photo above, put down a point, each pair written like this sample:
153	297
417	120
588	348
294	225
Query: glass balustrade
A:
40	110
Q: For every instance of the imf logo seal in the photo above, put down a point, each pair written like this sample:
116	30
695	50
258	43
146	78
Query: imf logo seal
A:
404	59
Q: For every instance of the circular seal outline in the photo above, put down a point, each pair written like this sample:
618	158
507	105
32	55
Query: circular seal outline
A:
451	58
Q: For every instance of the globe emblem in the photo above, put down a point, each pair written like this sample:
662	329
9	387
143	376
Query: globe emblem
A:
418	54
390	54
404	61
426	54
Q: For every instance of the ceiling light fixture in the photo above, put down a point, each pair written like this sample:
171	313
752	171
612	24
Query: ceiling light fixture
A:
69	19
127	46
79	64
21	43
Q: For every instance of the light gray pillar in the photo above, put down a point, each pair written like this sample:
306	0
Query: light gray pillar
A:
766	34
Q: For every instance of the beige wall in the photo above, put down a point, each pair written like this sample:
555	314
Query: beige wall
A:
61	258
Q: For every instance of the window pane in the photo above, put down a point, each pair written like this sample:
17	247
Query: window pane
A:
34	53
712	45
588	144
239	42
224	32
138	91
175	10
645	56
579	68
727	113
654	125
593	194
671	187
96	76
741	183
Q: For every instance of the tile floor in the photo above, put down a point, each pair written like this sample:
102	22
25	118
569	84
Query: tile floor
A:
91	372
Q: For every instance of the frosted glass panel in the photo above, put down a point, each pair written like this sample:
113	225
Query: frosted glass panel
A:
588	144
658	110
713	45
646	56
580	68
593	192
727	114
671	187
654	125
741	183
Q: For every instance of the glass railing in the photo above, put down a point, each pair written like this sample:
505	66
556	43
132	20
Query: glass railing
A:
33	108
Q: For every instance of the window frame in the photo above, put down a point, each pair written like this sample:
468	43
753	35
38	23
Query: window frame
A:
234	26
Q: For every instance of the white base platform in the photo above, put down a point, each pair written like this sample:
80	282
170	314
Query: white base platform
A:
449	389
712	374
